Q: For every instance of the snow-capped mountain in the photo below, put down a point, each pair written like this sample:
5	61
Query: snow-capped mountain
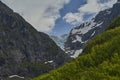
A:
60	40
86	31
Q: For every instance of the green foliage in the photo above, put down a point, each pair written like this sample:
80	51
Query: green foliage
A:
115	23
100	60
35	67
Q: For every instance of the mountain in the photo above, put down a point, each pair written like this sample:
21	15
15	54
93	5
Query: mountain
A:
100	59
86	31
60	40
23	50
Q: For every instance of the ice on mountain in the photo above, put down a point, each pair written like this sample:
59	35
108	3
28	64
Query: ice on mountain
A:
93	33
49	62
77	53
78	38
13	76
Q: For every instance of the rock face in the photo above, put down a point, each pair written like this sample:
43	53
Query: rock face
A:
23	50
86	31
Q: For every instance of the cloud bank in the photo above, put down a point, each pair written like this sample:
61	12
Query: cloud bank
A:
42	14
91	7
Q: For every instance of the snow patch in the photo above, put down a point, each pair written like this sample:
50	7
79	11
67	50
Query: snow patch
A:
93	33
83	30
74	31
12	76
49	62
77	53
70	52
99	24
78	38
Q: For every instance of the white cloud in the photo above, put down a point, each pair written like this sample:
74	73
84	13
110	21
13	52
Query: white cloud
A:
74	18
42	14
92	7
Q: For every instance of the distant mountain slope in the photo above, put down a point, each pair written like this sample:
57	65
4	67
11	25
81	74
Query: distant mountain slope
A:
60	40
86	31
23	50
99	61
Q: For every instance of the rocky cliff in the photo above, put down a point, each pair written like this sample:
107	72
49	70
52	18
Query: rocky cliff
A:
23	50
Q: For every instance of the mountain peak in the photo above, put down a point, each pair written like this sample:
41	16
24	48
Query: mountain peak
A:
86	31
21	45
4	8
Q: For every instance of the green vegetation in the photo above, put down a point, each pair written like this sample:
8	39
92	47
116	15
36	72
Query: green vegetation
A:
115	23
100	60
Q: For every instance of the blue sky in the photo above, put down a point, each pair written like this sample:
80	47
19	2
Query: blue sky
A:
57	17
61	27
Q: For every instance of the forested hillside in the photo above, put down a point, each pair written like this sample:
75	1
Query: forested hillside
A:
99	61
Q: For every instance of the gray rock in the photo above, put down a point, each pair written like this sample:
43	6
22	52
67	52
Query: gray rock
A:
24	50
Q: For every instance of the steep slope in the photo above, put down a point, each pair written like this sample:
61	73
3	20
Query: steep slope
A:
86	31
100	60
23	50
60	40
115	22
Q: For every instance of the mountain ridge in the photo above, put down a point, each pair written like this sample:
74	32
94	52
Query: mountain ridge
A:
86	31
23	50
